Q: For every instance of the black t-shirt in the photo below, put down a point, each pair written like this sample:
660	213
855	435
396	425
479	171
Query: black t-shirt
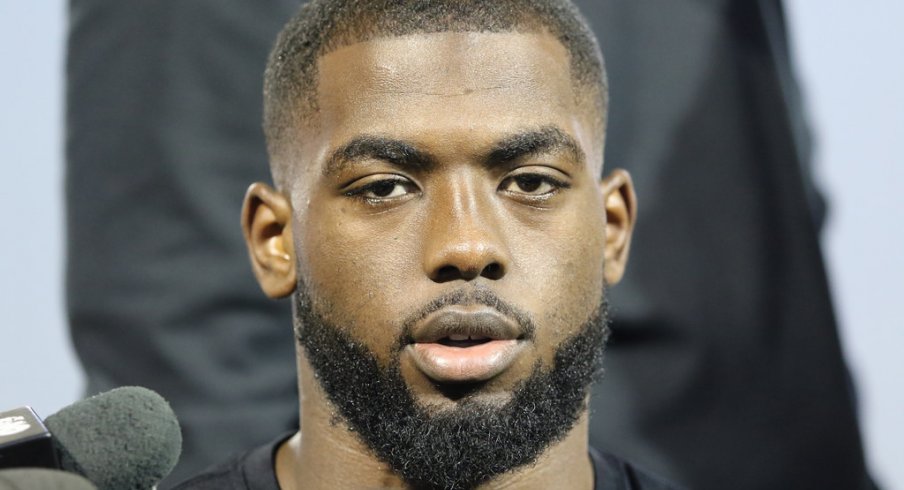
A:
254	470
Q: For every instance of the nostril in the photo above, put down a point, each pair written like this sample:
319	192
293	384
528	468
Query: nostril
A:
447	273
465	262
453	273
493	271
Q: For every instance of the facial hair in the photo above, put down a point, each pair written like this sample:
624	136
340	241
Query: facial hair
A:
472	443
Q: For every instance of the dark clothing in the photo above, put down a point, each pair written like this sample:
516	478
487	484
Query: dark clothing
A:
164	136
254	470
724	369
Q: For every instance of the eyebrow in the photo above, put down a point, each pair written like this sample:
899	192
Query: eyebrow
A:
396	152
545	140
525	143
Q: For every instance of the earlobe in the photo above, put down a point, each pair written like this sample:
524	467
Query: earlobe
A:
621	213
267	226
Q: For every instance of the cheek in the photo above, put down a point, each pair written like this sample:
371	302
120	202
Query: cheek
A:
355	273
563	268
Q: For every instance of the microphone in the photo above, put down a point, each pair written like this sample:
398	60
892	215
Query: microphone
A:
127	438
42	479
24	441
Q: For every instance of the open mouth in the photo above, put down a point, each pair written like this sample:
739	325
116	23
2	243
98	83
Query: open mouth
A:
465	344
462	341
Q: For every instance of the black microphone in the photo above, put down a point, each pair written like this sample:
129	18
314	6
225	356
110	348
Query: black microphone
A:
42	479
124	439
25	441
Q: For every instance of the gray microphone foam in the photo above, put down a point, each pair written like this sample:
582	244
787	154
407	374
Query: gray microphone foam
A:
125	439
42	479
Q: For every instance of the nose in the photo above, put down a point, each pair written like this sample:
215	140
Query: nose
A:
463	239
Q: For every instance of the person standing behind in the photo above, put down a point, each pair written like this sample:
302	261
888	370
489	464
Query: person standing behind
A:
725	368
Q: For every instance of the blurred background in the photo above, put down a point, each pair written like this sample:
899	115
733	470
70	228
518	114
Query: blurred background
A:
848	60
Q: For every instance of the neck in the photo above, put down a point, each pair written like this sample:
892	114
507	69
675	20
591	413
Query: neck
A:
326	454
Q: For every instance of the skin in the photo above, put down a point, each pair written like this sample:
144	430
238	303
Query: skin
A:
376	238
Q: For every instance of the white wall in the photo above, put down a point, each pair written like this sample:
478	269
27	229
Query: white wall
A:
37	366
851	60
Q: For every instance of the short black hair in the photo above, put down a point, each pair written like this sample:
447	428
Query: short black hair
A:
322	26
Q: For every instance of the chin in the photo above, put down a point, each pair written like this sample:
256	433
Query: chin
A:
448	398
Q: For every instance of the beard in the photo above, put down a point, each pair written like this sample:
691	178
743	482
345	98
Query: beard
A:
472	443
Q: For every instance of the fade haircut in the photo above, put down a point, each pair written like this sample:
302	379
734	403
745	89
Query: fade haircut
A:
322	26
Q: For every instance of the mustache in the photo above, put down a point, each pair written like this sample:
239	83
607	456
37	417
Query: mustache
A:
478	295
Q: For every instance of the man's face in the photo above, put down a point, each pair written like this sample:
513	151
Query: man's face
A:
442	163
451	239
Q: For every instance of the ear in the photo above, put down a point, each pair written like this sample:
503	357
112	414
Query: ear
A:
621	212
267	226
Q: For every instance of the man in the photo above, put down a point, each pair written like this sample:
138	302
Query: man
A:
440	219
725	309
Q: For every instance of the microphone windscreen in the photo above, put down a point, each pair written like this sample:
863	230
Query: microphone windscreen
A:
127	438
42	479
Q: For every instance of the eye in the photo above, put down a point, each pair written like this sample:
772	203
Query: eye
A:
381	188
532	185
384	189
528	184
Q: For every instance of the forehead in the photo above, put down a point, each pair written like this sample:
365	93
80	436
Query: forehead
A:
458	85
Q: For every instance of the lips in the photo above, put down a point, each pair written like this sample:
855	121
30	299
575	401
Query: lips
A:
465	344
